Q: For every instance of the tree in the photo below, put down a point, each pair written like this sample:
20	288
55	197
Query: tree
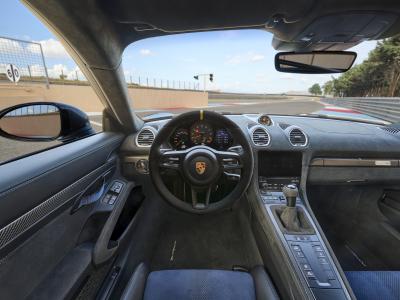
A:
63	77
315	89
378	75
328	87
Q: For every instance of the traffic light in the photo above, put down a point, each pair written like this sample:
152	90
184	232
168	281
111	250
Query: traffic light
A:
211	77
196	77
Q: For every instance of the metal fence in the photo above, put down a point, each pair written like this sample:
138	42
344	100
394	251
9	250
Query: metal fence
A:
27	56
387	109
29	59
32	110
144	81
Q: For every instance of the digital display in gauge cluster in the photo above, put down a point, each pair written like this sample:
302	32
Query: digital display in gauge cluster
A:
223	139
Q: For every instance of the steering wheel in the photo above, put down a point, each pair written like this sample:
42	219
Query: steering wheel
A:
201	166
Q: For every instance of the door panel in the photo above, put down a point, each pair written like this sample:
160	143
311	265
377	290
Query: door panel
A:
39	234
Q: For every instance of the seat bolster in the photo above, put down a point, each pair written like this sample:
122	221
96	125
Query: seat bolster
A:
136	285
265	289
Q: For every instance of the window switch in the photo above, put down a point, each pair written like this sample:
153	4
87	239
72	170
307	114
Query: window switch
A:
112	200
106	198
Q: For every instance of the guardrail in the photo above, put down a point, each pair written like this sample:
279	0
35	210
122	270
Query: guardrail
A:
247	96
387	109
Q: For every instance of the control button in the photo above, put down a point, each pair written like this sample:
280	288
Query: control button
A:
112	200
323	261
296	248
318	248
309	274
142	166
116	187
302	238
299	254
305	266
320	254
106	198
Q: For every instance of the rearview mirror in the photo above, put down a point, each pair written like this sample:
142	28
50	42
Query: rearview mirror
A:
44	121
316	62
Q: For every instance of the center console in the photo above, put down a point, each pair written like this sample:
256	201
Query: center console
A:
279	180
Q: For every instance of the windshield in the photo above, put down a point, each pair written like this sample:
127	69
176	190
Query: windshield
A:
233	72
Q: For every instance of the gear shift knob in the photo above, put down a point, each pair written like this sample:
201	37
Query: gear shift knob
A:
290	192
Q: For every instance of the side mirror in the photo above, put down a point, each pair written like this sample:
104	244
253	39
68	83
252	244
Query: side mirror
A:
44	121
316	62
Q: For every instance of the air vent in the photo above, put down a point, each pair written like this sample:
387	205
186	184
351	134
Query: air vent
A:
392	130
260	137
297	137
145	137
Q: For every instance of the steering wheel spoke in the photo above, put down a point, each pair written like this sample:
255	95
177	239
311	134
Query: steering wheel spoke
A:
196	191
230	160
172	159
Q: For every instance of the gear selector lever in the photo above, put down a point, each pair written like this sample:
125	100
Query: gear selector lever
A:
289	216
290	192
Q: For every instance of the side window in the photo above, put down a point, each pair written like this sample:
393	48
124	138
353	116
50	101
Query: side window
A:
34	67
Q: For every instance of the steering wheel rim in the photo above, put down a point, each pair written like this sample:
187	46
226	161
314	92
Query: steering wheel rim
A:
244	159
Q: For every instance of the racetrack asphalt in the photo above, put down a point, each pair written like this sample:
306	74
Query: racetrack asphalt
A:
11	149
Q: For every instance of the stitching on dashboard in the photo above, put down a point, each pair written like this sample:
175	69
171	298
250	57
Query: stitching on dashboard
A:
12	230
30	180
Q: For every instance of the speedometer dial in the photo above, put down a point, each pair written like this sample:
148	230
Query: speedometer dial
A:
201	133
180	139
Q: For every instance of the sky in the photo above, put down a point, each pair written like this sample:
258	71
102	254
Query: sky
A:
241	60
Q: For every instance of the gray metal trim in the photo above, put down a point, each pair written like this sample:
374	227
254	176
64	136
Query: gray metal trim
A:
17	227
354	162
262	127
289	130
153	130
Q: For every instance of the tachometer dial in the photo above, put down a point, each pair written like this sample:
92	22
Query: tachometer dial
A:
180	139
201	133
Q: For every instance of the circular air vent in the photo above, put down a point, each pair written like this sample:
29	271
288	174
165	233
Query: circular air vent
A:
260	136
145	137
297	137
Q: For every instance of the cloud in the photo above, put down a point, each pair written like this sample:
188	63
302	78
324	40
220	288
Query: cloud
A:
145	52
257	57
54	49
10	47
244	58
56	70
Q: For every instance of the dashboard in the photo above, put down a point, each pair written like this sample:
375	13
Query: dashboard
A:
314	138
201	133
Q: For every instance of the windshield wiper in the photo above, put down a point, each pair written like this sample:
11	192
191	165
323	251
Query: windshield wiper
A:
359	120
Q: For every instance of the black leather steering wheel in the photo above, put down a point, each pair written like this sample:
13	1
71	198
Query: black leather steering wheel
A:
202	166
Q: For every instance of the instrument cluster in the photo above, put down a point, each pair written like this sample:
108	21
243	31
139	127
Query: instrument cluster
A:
201	133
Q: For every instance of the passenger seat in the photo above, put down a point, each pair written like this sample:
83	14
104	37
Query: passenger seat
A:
372	285
199	284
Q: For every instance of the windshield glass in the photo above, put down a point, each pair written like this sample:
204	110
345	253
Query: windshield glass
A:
233	72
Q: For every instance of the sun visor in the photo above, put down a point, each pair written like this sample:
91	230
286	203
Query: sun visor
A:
339	32
181	16
348	28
